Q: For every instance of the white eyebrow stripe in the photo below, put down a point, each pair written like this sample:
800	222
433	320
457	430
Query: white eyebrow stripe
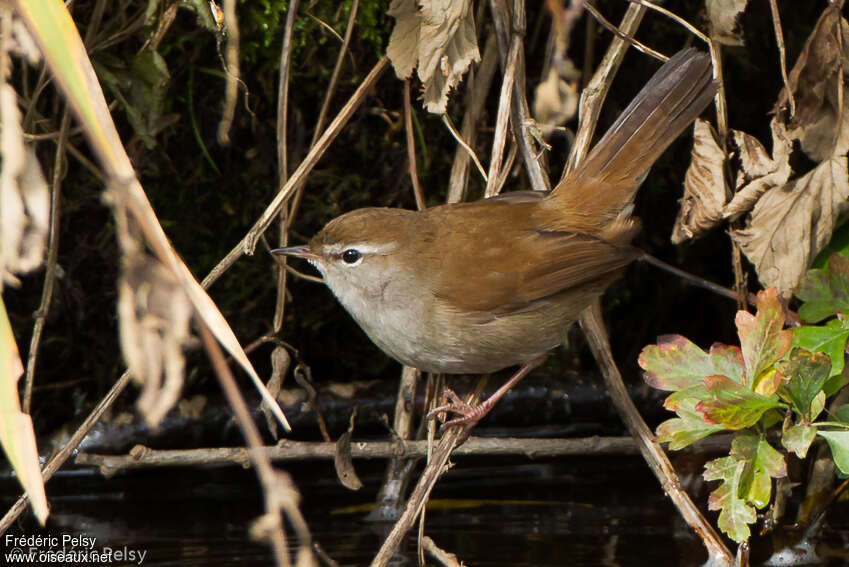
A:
362	247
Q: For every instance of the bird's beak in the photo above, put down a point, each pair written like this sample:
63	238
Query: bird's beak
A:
303	251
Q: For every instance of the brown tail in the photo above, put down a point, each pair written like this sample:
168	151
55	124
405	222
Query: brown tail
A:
670	101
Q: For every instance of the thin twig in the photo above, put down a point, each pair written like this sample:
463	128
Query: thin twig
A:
450	125
288	450
675	17
328	97
782	54
695	280
447	559
476	96
594	94
593	327
616	31
248	243
62	455
52	256
411	148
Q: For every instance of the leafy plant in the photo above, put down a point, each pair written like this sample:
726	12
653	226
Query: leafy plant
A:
777	380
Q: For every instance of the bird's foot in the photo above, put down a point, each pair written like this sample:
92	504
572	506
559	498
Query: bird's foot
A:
467	412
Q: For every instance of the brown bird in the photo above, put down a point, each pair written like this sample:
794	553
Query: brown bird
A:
477	287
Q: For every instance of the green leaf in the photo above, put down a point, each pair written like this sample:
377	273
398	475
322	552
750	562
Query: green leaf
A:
839	244
806	374
763	463
762	339
674	363
687	428
733	406
798	439
838	441
842	413
825	291
736	514
829	338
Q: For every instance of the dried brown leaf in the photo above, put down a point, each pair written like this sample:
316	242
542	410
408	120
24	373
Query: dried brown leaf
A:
440	38
704	186
343	460
24	197
724	18
792	222
814	82
758	172
280	362
154	314
556	99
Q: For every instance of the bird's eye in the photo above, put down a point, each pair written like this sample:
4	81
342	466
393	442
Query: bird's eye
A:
351	255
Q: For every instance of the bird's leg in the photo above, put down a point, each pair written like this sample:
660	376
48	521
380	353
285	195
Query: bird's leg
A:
473	413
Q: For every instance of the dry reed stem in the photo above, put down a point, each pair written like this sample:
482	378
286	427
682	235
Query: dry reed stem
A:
283	93
231	71
399	468
273	491
476	94
415	503
782	54
506	169
411	148
593	327
52	256
501	122
520	116
282	130
62	455
328	96
248	242
596	91
591	319
288	450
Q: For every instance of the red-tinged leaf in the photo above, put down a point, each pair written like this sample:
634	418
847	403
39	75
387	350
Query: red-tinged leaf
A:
718	383
674	363
798	439
761	336
727	361
733	406
687	397
687	428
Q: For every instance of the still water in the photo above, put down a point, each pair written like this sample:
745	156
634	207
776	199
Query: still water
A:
577	512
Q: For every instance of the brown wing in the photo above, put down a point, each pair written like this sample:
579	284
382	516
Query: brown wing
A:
505	264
